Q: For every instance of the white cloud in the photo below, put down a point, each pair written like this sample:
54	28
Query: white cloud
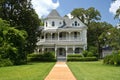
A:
69	15
114	6
43	7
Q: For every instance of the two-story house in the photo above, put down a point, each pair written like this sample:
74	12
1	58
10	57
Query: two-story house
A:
62	35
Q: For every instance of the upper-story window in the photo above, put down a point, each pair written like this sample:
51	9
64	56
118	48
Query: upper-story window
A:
75	35
53	35
53	23
75	23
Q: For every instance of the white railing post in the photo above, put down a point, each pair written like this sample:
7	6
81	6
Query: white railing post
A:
69	36
58	36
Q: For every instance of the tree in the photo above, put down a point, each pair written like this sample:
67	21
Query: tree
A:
96	29
112	38
12	42
21	14
86	16
117	16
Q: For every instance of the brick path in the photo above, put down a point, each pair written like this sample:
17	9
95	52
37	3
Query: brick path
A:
60	72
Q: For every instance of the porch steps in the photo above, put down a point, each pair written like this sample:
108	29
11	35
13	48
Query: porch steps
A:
61	59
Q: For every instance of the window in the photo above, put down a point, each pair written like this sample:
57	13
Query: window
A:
75	34
53	23
78	24
75	23
60	35
53	35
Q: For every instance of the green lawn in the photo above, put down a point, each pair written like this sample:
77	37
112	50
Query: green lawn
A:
33	71
94	71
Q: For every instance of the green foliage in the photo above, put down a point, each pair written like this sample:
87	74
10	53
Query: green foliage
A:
47	56
113	59
74	55
112	38
117	15
21	15
12	43
82	59
85	53
5	62
86	15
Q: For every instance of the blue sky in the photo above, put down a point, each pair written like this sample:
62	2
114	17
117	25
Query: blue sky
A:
107	8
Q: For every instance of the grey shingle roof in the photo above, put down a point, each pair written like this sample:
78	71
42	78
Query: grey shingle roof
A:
54	14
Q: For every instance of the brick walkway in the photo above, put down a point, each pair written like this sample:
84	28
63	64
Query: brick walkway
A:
60	72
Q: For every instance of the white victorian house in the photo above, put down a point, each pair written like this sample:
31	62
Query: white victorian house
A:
62	35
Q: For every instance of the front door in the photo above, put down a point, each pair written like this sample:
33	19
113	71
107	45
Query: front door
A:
61	52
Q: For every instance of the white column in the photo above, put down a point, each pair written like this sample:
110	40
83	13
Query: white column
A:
73	49
84	47
69	36
43	50
44	36
58	36
56	52
66	51
51	36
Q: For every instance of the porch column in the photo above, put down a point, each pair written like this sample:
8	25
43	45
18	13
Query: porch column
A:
66	51
69	36
73	49
44	36
58	36
43	50
84	47
55	51
51	36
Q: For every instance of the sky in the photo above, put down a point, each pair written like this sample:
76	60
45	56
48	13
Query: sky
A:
107	8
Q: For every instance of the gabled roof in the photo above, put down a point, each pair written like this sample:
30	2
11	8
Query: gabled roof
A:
54	14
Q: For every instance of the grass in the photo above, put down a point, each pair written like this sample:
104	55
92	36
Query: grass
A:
94	71
33	71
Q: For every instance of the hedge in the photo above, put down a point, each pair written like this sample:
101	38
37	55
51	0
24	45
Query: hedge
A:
82	59
47	57
74	55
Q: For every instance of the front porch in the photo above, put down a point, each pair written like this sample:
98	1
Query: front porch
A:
61	52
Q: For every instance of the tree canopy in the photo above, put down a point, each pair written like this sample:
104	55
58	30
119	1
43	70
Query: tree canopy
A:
86	15
12	42
21	15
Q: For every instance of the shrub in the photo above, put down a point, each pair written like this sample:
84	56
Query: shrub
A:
48	56
113	59
85	53
90	54
5	62
82	59
74	55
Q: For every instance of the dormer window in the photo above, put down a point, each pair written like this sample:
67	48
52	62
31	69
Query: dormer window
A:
75	23
53	23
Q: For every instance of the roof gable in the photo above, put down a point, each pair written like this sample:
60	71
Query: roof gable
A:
54	14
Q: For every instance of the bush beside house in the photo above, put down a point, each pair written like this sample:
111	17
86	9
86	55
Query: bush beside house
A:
85	56
47	57
113	59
